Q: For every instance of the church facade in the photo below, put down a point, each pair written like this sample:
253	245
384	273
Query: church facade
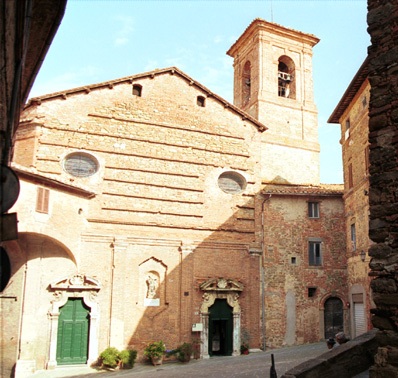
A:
150	208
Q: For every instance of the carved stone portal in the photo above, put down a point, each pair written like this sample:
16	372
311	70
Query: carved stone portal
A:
220	288
76	286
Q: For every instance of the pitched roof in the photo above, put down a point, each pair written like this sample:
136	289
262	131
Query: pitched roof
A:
323	190
350	92
31	174
130	79
259	23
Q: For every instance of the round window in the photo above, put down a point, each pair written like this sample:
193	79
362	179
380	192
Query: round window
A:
232	182
79	164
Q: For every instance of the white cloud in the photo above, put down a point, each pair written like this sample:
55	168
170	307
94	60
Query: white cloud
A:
218	39
126	29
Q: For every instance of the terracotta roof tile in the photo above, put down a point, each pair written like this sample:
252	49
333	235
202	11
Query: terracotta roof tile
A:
301	190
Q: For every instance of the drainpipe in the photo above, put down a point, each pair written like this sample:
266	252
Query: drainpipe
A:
111	291
22	310
180	296
263	329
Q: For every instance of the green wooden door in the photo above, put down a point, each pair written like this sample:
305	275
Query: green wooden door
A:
220	329
73	325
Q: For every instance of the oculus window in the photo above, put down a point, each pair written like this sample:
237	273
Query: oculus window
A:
80	164
231	182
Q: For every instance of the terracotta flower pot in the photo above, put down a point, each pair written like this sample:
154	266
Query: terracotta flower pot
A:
157	360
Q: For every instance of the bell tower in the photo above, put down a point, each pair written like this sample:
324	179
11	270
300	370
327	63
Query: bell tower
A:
273	83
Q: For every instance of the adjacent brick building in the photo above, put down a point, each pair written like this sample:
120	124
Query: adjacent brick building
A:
352	115
151	208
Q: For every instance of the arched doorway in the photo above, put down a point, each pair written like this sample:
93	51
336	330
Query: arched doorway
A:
220	328
333	317
220	312
73	332
74	313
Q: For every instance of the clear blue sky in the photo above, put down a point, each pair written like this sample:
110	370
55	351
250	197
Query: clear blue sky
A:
104	40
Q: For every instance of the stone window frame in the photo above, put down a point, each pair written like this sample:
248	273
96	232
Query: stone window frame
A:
70	168
314	209
234	176
313	261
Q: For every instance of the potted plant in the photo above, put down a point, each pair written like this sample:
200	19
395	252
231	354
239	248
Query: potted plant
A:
244	348
184	352
155	351
112	358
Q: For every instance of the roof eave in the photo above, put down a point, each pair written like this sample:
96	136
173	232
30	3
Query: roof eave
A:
350	92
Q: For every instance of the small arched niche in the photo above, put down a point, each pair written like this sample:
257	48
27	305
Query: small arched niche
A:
286	77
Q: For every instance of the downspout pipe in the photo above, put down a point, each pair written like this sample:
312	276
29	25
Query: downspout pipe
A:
263	328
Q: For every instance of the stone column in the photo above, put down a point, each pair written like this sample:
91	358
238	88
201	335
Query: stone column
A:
204	346
52	358
236	334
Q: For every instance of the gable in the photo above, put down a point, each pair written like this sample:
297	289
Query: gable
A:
159	154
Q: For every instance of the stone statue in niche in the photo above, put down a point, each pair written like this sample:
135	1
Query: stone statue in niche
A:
152	285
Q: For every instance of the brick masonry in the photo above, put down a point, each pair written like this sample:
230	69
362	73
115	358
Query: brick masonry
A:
154	209
383	75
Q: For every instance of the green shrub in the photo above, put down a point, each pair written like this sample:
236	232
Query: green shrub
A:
185	351
127	358
155	349
112	358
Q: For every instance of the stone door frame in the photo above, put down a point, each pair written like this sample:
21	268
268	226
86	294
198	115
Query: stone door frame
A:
76	286
220	288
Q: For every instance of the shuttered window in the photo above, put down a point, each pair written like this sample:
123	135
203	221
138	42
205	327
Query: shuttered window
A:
43	197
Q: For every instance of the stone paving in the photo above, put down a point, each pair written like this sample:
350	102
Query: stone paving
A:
250	366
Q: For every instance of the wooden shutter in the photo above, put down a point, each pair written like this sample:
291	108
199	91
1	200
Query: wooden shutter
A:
43	196
359	318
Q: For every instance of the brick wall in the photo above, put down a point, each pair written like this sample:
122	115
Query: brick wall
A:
287	230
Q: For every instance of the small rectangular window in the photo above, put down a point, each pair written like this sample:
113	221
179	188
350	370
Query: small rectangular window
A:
313	209
293	261
347	129
353	237
200	101
42	200
314	253
311	292
364	101
367	160
350	177
137	90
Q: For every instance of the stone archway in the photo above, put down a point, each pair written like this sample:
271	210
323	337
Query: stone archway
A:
76	286
221	288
